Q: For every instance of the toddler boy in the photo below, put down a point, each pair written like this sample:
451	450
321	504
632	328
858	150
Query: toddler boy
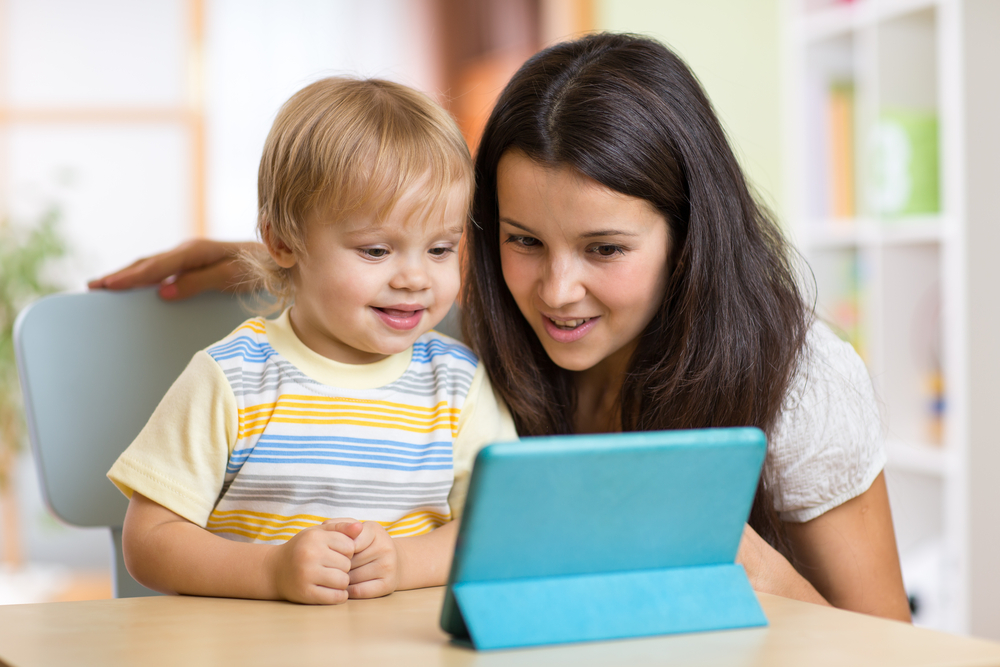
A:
320	455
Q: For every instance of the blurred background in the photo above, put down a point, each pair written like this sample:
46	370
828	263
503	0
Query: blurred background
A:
127	127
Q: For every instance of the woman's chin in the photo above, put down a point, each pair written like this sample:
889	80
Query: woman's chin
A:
571	361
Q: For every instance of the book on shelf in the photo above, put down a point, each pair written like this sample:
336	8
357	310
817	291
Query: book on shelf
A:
905	170
845	295
840	103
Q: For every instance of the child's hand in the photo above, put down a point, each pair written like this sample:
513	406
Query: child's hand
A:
313	566
375	565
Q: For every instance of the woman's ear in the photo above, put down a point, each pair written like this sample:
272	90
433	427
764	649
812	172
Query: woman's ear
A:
279	251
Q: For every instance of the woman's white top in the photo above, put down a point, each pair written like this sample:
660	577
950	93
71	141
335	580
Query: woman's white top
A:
828	444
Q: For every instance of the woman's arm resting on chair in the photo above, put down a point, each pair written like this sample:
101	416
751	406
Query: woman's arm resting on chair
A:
190	268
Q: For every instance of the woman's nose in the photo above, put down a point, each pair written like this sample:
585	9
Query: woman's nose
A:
561	283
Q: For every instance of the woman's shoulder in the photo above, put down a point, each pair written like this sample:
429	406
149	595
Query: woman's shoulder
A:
830	378
827	364
827	445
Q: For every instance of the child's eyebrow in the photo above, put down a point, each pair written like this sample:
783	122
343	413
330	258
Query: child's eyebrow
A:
361	231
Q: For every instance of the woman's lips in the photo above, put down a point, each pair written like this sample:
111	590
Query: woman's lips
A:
570	329
401	319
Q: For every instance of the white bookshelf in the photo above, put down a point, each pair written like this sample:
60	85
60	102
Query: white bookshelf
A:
900	285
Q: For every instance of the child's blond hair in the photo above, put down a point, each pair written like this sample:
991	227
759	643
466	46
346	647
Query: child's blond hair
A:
351	146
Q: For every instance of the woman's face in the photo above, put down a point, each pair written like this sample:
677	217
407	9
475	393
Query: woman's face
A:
586	265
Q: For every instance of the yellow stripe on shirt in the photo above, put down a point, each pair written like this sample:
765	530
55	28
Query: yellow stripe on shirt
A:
270	527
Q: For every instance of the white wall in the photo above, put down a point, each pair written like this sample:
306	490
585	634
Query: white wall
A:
96	93
125	185
259	52
734	48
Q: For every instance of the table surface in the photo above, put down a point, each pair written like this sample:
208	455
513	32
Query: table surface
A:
403	629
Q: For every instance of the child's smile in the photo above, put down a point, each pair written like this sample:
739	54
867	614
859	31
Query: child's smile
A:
402	317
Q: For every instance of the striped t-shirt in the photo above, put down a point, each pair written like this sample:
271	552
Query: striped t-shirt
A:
261	437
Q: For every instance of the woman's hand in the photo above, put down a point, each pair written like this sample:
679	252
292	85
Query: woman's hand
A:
190	268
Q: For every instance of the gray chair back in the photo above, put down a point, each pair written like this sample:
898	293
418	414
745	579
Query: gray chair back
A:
93	367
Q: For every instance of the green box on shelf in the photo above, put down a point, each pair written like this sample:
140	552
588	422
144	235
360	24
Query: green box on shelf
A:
905	174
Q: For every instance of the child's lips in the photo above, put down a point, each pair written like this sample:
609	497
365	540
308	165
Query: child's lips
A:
401	318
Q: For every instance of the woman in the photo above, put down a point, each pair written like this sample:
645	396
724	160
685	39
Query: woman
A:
621	276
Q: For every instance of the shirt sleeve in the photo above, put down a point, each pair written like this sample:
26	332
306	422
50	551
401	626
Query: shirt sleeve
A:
179	458
828	446
484	419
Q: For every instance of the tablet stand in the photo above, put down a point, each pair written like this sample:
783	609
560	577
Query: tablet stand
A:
548	610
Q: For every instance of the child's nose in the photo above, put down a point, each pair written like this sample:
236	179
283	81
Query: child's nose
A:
412	275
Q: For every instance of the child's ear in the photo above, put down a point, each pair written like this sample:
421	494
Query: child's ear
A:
279	252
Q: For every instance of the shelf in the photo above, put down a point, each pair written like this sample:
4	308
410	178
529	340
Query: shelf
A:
891	107
829	22
921	458
832	234
841	19
887	10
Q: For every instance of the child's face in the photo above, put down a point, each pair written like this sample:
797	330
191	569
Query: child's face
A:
366	288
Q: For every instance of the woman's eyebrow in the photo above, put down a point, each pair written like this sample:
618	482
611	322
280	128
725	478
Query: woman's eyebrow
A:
607	232
512	223
585	235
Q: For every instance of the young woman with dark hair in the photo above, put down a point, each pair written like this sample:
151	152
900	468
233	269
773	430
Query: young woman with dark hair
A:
621	276
725	331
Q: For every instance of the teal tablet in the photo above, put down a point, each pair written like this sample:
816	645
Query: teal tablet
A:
592	537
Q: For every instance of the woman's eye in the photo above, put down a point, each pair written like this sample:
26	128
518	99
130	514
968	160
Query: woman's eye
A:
524	241
609	250
374	253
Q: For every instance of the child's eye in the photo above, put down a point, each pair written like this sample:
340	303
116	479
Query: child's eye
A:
608	250
374	253
441	252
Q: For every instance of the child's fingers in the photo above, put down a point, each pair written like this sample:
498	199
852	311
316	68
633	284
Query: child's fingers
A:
334	558
317	594
375	569
364	556
332	577
319	547
373	588
348	527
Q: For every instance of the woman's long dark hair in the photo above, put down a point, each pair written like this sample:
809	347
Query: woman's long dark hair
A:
725	343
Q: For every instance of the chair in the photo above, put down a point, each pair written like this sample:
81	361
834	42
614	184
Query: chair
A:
93	367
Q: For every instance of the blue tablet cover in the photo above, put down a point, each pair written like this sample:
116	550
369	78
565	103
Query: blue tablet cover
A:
573	538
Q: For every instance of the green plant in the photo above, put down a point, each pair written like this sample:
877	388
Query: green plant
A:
24	253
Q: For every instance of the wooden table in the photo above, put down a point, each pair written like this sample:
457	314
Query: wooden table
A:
402	629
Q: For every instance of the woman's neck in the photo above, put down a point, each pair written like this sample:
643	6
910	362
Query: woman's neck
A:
598	409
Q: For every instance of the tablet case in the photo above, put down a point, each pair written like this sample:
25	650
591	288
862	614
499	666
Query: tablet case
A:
582	538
